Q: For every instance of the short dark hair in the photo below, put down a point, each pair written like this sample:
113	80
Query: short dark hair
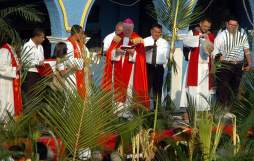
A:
206	19
232	17
60	50
37	32
119	23
156	26
76	29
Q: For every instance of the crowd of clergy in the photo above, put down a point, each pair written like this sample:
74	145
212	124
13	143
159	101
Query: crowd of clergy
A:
135	68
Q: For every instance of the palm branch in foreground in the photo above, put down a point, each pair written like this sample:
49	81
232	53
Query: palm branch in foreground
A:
80	123
176	15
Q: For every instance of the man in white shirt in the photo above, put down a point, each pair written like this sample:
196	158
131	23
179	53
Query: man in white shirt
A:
230	47
33	53
108	39
157	54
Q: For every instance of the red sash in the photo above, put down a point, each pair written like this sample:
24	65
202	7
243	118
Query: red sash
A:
192	76
122	73
16	84
80	74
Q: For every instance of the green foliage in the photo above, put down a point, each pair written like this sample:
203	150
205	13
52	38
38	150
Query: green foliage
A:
78	122
27	12
184	9
175	15
225	153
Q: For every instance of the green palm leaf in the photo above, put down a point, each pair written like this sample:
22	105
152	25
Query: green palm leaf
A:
79	123
175	15
245	106
7	31
28	12
168	9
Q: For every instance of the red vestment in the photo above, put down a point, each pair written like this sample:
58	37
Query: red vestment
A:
192	76
16	84
80	74
122	71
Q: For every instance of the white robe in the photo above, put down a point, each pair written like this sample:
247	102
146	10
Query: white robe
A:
71	60
200	94
7	73
107	41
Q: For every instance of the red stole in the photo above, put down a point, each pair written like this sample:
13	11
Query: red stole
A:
16	84
80	74
122	72
192	76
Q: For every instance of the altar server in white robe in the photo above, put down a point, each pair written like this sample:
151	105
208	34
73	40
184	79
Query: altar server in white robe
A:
109	38
198	81
10	90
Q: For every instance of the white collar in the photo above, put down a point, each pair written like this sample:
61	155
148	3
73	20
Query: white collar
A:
154	40
32	43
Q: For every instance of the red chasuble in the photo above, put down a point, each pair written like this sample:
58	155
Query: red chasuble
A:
122	71
192	77
16	84
80	74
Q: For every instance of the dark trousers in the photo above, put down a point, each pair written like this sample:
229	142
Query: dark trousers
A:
31	79
155	80
228	78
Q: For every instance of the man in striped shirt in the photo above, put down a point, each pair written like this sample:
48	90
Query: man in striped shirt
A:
231	47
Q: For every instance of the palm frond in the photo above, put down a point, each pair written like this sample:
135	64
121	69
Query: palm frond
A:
175	16
16	131
79	123
225	154
7	31
28	12
26	63
205	134
243	108
167	12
